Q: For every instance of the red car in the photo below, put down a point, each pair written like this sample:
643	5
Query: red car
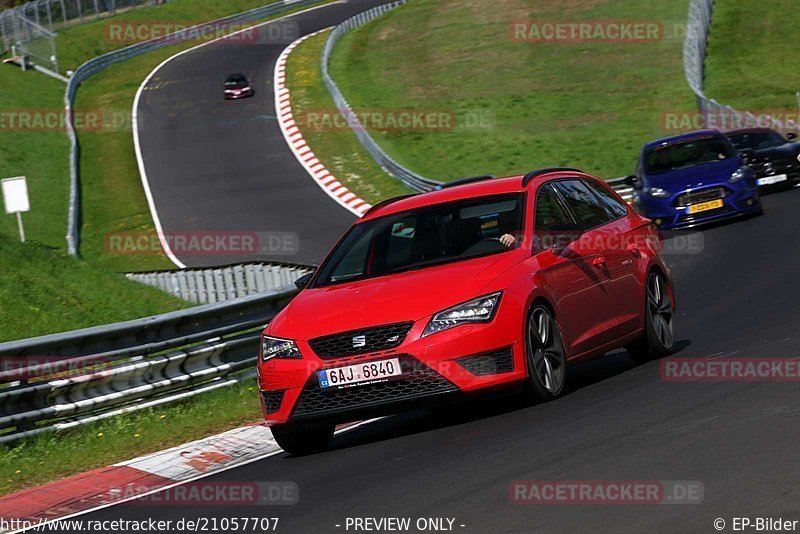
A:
487	282
237	86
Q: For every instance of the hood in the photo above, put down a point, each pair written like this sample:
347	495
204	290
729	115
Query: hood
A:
697	176
408	296
787	150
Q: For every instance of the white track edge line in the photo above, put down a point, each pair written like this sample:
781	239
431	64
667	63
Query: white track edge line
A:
135	120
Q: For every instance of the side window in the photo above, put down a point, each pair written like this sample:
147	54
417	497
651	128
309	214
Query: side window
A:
614	207
551	218
583	203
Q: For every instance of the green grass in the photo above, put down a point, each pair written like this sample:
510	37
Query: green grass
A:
585	104
339	149
43	291
55	456
750	52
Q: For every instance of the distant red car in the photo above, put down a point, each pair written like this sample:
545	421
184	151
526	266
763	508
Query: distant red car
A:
486	282
237	86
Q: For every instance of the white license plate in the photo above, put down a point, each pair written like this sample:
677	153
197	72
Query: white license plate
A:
769	180
359	373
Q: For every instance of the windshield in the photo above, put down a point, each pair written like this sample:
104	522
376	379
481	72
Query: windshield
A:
757	140
426	236
687	154
236	82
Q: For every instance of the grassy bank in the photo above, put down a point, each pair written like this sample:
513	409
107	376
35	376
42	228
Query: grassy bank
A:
750	51
43	291
337	147
517	105
55	456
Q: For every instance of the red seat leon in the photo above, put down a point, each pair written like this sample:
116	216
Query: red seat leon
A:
486	282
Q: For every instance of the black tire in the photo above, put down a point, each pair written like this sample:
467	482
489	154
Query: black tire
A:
301	440
544	356
659	312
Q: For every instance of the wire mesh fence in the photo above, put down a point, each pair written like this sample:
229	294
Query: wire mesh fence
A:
29	27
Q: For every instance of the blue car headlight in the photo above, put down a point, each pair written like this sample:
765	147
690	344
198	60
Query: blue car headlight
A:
738	174
277	348
657	192
479	310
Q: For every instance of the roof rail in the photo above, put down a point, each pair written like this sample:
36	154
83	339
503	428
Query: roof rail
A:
386	202
465	181
533	174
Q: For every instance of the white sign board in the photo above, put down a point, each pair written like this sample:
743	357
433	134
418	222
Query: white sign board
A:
15	195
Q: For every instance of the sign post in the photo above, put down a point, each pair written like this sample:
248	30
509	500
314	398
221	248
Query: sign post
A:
15	199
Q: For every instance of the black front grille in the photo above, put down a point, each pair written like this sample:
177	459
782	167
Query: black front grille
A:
272	400
701	195
489	363
360	341
418	381
772	166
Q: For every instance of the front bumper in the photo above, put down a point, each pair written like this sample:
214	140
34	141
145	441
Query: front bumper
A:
460	360
744	200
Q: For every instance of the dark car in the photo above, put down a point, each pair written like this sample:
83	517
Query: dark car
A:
775	159
692	179
237	86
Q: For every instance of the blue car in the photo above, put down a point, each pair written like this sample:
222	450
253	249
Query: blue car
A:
692	179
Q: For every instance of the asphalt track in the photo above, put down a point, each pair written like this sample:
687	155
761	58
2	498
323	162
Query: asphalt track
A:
213	167
739	297
218	166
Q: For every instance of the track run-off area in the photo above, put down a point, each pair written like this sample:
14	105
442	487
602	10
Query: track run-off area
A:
223	166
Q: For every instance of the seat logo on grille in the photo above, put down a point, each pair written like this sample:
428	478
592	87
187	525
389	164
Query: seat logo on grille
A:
359	341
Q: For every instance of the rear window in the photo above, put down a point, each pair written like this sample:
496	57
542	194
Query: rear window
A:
424	237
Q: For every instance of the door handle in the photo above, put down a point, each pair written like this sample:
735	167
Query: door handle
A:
599	261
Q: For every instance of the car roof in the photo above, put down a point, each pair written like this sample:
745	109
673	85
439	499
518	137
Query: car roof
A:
687	136
749	130
236	76
483	188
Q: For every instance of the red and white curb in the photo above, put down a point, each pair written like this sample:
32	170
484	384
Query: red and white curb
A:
143	476
298	145
139	477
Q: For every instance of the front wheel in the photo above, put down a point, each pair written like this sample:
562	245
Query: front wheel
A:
301	440
546	361
659	338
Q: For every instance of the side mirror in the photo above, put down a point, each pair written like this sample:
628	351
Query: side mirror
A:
631	180
791	136
303	281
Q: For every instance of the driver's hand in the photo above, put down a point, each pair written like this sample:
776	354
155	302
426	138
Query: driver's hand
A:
508	240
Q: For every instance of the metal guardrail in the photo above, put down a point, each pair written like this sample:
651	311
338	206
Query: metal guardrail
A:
411	179
695	48
63	380
100	63
203	286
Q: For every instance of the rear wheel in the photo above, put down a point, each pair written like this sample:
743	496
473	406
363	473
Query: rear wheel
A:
659	338
303	439
545	356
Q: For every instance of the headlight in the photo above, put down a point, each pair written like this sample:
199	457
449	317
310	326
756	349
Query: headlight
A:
798	156
740	173
479	310
284	349
657	192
